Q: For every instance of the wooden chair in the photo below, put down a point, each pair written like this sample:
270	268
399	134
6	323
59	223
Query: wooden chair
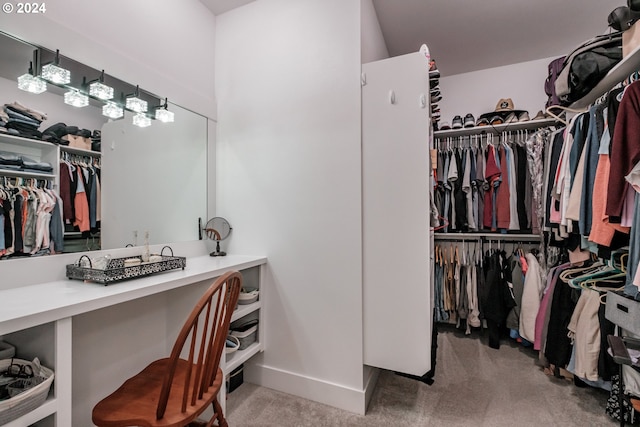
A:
174	391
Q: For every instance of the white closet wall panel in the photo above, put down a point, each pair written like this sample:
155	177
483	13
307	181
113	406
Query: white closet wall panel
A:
395	169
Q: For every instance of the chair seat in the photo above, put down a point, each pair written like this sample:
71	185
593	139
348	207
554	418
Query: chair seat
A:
136	401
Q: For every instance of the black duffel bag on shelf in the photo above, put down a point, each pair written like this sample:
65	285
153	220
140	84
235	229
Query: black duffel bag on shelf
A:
587	65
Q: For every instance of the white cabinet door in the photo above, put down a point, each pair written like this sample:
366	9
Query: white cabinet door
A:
395	169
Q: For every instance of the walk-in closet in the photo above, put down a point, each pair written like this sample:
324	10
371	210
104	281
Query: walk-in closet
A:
404	213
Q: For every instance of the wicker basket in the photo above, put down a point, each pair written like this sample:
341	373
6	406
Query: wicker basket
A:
28	400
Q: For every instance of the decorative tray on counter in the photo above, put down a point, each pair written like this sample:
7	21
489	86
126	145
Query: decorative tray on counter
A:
116	270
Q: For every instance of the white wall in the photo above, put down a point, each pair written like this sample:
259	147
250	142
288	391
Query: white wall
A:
289	181
164	46
373	47
478	92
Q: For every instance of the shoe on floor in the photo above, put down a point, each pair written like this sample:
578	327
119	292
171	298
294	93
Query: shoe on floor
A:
524	116
469	121
456	123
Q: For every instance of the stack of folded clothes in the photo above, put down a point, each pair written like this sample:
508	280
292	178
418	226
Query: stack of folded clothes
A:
18	162
62	134
20	120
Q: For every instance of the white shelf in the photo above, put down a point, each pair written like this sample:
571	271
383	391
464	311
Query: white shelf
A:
486	236
67	298
23	174
497	129
241	356
49	407
617	74
80	151
243	310
26	142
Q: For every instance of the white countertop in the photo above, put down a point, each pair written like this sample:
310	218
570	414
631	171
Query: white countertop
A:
28	306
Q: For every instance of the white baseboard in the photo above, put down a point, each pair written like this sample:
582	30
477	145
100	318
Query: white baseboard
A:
370	384
336	395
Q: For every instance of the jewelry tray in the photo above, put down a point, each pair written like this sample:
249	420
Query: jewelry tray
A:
116	271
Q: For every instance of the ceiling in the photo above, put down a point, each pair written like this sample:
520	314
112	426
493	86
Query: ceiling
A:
467	35
222	6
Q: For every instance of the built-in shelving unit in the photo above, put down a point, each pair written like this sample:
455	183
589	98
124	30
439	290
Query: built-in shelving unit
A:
36	150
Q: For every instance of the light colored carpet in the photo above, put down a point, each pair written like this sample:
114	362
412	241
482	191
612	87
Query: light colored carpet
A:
474	386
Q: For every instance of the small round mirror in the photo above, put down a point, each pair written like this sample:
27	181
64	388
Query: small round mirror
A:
217	229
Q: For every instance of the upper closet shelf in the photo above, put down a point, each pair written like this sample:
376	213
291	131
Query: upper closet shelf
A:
617	74
80	151
497	129
26	142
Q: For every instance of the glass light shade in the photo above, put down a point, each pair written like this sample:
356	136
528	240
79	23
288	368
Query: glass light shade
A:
136	104
141	120
76	99
55	74
32	84
101	91
113	111
164	116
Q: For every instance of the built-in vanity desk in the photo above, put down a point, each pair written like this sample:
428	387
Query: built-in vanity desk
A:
95	336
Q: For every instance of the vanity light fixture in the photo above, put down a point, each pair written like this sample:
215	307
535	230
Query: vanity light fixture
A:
98	89
112	110
76	99
163	114
141	120
54	73
30	83
136	104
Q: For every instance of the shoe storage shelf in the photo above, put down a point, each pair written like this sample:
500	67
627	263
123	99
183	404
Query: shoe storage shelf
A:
242	313
496	130
70	325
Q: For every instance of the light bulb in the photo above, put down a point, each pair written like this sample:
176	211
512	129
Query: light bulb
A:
141	120
112	110
32	84
76	99
55	74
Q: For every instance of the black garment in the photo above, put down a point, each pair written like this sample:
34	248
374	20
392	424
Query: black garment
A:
606	366
8	230
17	222
521	183
499	300
558	346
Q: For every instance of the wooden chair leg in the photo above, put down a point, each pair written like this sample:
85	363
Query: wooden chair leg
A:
222	422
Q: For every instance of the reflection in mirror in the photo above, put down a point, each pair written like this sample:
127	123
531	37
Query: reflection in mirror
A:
155	179
151	179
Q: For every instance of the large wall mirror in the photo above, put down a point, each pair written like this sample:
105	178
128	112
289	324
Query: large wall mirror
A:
151	179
